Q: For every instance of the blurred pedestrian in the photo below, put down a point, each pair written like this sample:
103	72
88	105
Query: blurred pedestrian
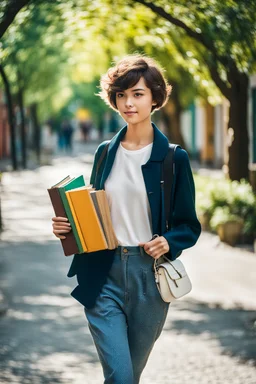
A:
117	288
85	128
67	135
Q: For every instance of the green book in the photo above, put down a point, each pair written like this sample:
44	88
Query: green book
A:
77	182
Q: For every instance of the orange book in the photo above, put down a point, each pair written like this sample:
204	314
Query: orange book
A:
87	218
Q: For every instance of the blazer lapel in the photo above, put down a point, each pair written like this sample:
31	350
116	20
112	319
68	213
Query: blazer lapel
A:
152	174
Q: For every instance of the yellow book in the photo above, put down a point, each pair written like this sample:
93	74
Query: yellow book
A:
78	228
88	220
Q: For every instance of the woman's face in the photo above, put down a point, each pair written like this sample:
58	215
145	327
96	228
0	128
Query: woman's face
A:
135	103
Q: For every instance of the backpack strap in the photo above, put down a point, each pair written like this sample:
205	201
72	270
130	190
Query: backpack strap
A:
168	169
102	156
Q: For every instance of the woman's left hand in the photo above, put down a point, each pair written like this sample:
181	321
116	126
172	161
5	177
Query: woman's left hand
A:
156	248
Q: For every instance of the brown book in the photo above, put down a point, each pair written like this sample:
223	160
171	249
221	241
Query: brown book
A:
69	244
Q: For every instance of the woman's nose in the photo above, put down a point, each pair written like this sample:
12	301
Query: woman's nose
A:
128	102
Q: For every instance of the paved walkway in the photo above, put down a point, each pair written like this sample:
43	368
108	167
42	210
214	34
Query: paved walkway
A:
209	336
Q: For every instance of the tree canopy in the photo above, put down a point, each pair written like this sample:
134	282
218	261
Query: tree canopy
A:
223	33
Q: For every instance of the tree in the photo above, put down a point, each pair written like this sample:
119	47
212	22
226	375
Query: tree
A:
224	34
89	27
136	29
9	9
30	51
10	116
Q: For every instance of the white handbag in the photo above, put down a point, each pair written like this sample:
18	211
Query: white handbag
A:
171	279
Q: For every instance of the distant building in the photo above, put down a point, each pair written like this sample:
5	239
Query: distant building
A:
204	129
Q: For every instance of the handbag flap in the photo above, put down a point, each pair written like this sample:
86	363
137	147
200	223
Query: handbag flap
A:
179	266
175	269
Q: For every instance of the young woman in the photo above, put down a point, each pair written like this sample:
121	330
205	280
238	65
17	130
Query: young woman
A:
124	309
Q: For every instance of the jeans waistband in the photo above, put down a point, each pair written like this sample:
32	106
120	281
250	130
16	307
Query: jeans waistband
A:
129	250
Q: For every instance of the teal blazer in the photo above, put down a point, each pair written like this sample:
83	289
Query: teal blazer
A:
92	268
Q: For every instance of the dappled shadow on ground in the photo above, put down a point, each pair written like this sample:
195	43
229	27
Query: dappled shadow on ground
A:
233	329
44	337
26	206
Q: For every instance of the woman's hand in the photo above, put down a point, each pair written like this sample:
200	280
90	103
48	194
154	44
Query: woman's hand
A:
60	226
156	248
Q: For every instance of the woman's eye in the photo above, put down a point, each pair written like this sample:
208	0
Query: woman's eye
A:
119	95
138	94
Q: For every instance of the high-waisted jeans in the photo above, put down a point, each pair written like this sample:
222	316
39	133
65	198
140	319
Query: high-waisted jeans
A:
128	316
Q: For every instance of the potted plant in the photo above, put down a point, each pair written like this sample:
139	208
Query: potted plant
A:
204	209
243	204
228	225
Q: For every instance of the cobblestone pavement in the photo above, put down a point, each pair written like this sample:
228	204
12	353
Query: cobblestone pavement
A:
208	338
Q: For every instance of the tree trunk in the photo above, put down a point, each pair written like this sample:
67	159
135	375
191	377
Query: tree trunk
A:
238	151
23	129
36	129
11	118
171	114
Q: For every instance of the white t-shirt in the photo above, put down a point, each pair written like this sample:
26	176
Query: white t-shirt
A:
127	196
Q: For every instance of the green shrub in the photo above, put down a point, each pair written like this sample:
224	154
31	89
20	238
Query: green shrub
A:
223	199
222	215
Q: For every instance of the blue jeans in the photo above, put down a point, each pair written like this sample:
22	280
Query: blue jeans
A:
128	316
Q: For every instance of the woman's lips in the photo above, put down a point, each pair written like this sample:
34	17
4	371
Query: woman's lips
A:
130	113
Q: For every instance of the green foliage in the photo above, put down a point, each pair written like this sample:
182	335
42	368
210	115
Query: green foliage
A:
227	26
223	200
32	52
51	46
124	29
223	215
83	95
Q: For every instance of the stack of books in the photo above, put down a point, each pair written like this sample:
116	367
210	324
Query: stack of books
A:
88	213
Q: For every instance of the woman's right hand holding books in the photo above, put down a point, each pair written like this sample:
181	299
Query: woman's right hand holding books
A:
60	226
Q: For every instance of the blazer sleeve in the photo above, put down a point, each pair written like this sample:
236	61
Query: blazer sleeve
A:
185	229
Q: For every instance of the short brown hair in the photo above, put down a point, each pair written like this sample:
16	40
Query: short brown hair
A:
127	72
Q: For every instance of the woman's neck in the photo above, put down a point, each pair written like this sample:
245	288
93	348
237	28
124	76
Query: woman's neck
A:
139	135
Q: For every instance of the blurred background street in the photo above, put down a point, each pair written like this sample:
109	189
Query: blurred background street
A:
209	336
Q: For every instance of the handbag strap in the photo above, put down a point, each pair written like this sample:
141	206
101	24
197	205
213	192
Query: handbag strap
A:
168	170
167	182
157	265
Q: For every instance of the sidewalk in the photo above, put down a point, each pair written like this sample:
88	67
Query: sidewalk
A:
209	336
